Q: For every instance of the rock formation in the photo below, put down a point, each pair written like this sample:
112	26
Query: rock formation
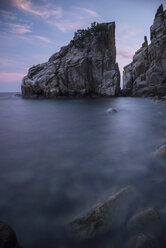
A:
86	66
8	237
142	241
105	216
146	75
147	221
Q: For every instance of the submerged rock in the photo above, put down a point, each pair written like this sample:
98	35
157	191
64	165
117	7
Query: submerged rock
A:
146	75
86	66
111	110
8	237
142	241
104	217
146	221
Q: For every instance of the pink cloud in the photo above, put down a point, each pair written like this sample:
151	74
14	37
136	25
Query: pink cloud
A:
75	19
11	77
68	24
89	11
19	28
64	20
42	38
125	31
40	10
123	54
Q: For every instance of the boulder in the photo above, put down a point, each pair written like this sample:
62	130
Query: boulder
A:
8	237
105	217
142	241
146	221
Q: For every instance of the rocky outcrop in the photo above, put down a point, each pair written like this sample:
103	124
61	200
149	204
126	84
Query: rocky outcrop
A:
146	75
142	241
147	221
86	66
8	237
107	216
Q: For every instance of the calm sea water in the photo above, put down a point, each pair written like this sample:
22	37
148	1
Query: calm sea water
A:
59	157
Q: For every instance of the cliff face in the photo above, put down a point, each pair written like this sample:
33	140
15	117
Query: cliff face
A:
146	75
86	66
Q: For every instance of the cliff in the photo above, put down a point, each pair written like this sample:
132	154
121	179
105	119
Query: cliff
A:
86	66
146	75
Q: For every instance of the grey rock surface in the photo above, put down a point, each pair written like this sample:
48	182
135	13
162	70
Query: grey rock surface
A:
147	221
146	75
106	216
8	237
86	68
111	110
142	241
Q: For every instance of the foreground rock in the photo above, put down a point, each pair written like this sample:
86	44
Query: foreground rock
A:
142	241
147	221
146	75
86	66
105	217
8	237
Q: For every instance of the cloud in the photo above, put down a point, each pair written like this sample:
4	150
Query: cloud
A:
19	28
7	14
68	24
89	11
75	18
42	38
11	77
125	31
65	20
123	54
45	11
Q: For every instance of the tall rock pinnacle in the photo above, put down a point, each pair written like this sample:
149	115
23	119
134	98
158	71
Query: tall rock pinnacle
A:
86	66
146	75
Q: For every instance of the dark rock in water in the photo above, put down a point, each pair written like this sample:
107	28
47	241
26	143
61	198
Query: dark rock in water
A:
142	241
146	221
146	75
105	217
125	92
86	66
160	99
111	110
8	237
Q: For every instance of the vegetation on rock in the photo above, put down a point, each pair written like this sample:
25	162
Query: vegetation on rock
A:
80	35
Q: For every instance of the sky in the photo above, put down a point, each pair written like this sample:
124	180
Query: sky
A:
32	30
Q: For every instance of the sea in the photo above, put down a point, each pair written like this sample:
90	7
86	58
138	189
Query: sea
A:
59	157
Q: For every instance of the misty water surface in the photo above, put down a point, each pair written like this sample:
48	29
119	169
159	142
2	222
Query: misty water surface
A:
59	157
